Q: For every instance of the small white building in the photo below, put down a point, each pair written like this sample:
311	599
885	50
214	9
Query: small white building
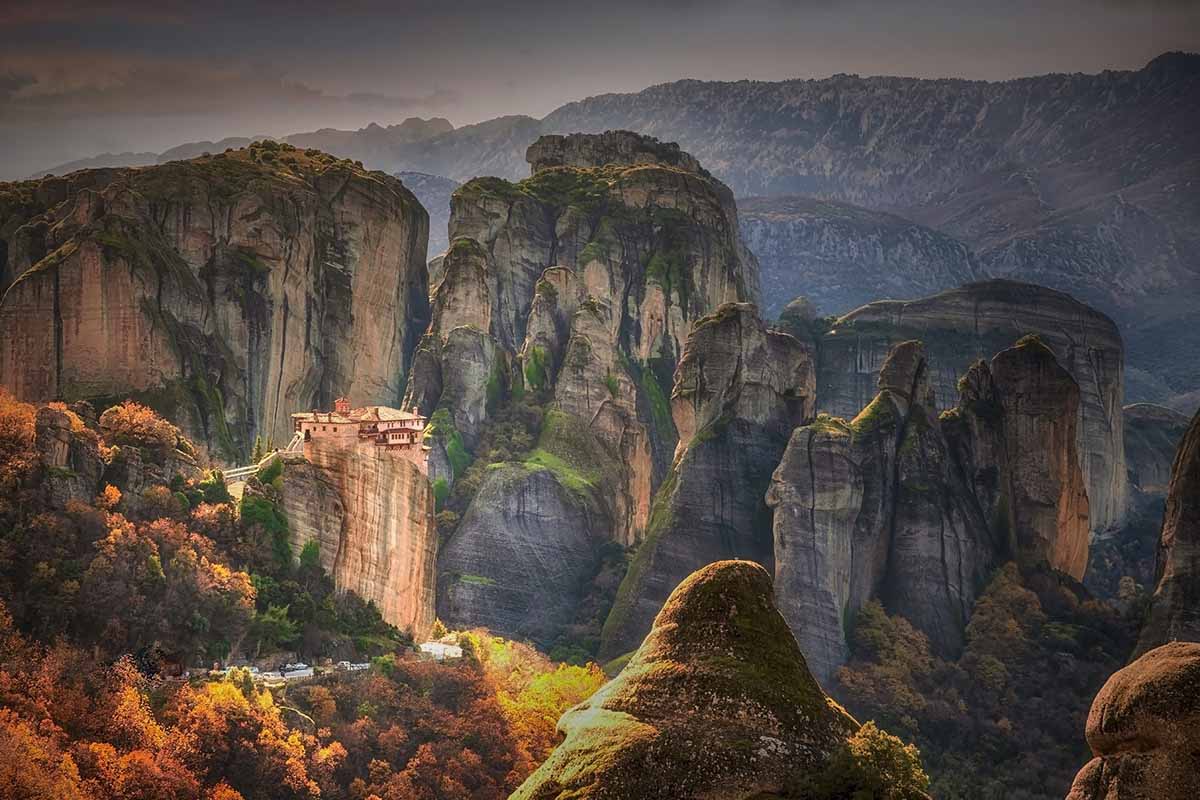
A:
441	651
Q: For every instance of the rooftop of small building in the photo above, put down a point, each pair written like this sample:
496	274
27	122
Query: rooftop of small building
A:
364	414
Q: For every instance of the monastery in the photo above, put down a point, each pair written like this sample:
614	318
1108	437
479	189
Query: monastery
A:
371	426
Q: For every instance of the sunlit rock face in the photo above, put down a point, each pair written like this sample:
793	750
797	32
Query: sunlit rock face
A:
227	291
916	508
370	510
976	321
1175	606
717	702
1144	729
575	289
739	390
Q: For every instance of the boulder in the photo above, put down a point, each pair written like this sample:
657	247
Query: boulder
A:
1144	729
717	702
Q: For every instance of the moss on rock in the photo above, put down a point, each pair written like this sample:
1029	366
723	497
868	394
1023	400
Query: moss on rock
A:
717	702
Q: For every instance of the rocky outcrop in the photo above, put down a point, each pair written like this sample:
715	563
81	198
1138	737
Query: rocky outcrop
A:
877	507
618	148
843	256
79	458
977	321
1144	729
371	512
917	509
572	290
1175	606
226	291
716	703
520	559
1039	401
739	390
70	454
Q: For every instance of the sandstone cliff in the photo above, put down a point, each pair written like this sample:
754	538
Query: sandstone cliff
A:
371	512
226	291
1175	606
716	703
976	321
916	508
739	390
1144	729
572	290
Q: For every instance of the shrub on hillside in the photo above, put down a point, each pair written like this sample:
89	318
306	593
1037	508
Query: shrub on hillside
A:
134	424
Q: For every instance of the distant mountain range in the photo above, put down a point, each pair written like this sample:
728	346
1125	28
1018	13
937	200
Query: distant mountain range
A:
1085	183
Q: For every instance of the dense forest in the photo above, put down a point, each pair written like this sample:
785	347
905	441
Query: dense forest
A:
105	601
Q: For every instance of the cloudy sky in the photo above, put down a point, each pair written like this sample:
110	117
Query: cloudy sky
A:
82	78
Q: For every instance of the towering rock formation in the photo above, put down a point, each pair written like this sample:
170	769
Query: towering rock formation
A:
1144	729
739	390
917	508
842	256
370	510
573	289
716	703
225	291
1049	503
975	321
1175	607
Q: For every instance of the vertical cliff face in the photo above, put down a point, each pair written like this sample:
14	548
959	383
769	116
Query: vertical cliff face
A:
717	702
573	289
1175	607
976	321
522	556
371	512
1049	502
226	291
739	390
916	508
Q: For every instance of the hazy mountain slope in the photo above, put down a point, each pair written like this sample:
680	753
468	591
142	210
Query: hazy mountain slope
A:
434	193
1085	183
842	256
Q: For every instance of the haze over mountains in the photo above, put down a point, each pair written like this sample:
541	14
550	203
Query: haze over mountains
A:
1085	183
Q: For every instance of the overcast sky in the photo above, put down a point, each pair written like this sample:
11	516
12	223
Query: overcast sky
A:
82	78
